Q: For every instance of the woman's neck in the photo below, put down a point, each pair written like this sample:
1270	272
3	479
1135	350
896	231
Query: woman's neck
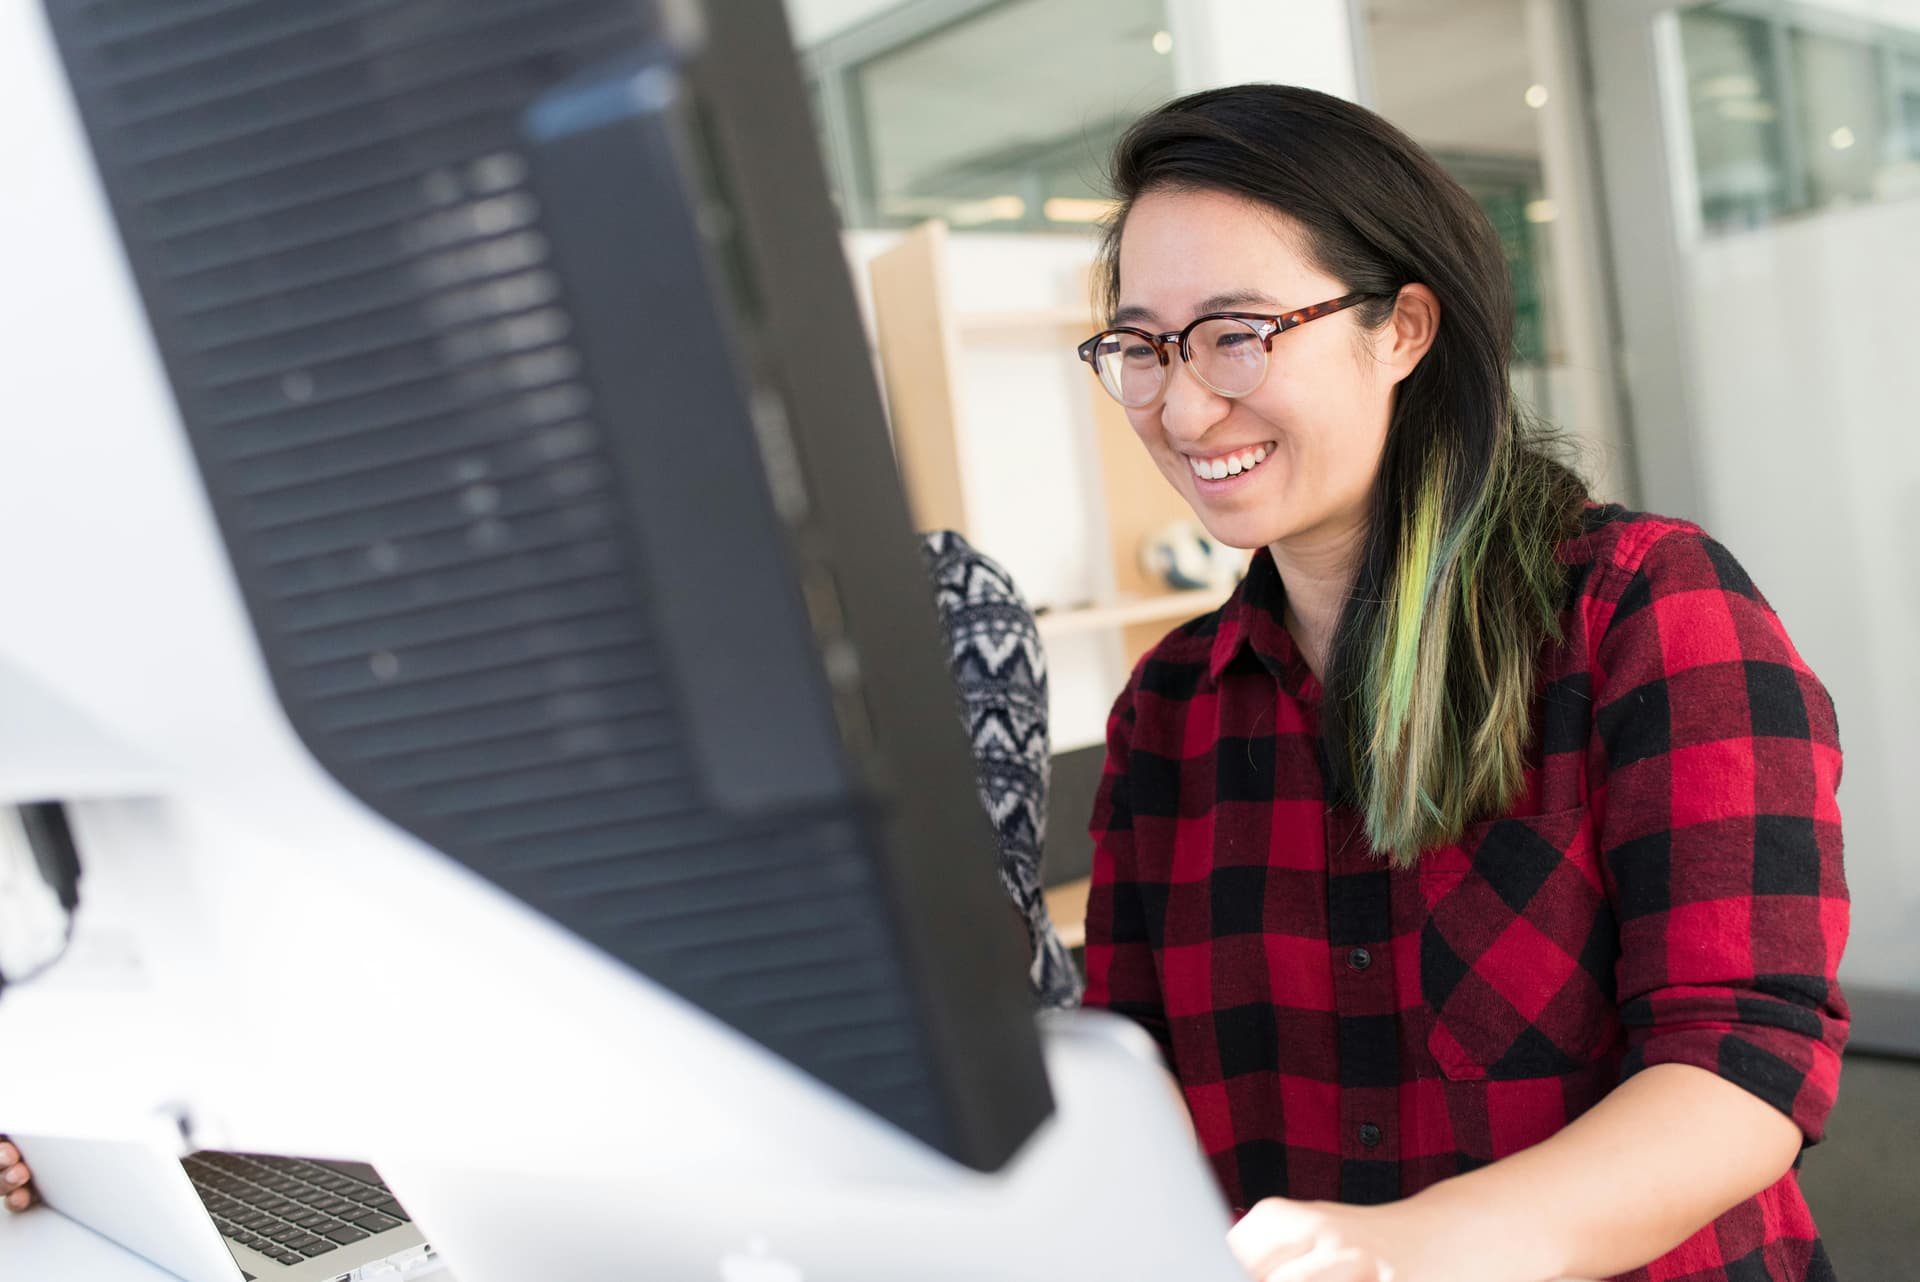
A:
1318	570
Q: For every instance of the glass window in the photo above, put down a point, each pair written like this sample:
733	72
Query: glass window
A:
1739	138
1795	108
1902	174
1841	116
1907	97
1003	119
1514	208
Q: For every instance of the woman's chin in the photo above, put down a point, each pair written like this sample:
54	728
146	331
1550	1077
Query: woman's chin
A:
1247	532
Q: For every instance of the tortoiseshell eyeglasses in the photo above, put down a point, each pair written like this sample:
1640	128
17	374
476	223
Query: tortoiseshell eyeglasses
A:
1227	351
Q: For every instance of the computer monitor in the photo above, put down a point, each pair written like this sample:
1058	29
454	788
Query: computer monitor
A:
518	355
510	744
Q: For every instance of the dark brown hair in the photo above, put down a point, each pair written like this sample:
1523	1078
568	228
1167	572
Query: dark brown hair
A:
1431	681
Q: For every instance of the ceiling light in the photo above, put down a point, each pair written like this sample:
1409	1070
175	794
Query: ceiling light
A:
1163	42
1748	111
1733	86
1536	96
994	209
1076	209
1841	138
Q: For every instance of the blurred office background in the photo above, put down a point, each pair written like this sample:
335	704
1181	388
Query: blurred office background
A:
1711	213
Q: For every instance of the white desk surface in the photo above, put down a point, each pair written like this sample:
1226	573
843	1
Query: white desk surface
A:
45	1245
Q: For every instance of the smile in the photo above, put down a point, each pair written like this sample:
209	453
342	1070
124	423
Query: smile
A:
1221	466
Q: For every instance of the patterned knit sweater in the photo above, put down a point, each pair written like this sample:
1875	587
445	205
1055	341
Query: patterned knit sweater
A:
1000	673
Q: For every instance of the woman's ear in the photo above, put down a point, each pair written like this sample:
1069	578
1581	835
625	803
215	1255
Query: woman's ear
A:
1409	333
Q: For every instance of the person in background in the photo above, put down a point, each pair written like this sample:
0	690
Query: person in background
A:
1477	866
999	670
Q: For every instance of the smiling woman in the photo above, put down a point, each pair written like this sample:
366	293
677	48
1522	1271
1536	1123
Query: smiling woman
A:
1477	865
1321	401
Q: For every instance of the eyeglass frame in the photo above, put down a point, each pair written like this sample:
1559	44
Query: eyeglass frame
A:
1266	325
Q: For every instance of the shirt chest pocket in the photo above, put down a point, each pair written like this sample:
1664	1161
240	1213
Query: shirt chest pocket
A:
1517	950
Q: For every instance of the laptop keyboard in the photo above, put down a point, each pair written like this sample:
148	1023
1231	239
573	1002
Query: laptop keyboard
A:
287	1208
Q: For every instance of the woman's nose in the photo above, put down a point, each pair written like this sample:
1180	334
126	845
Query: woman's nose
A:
1189	408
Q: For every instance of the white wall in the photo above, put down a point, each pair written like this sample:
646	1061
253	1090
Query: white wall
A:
1807	422
1301	42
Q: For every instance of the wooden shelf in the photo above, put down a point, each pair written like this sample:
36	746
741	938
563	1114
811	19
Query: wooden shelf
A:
1067	906
926	345
1172	606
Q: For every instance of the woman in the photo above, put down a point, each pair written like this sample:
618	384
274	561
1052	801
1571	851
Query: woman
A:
1477	866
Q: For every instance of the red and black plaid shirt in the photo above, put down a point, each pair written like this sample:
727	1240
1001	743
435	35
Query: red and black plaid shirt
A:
1668	890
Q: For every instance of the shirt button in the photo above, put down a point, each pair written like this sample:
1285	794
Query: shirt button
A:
1369	1135
1359	959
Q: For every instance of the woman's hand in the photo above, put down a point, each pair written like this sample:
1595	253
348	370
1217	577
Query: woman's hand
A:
1285	1241
15	1178
1664	1154
1418	1240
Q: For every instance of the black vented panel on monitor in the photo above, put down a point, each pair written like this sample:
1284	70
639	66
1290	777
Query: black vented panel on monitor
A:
328	208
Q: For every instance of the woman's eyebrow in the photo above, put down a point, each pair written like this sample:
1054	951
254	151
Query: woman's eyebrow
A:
1234	298
1226	302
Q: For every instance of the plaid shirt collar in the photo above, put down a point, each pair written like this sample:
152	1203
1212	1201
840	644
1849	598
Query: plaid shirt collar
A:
1254	619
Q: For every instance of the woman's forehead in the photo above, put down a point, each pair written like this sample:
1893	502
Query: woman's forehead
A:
1179	249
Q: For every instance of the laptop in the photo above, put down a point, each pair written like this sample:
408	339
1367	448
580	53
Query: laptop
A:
233	1217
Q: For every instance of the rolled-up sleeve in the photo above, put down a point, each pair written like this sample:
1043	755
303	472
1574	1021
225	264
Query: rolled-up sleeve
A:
1121	974
1715	760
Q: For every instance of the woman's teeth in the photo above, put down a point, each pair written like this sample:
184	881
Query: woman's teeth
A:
1219	469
